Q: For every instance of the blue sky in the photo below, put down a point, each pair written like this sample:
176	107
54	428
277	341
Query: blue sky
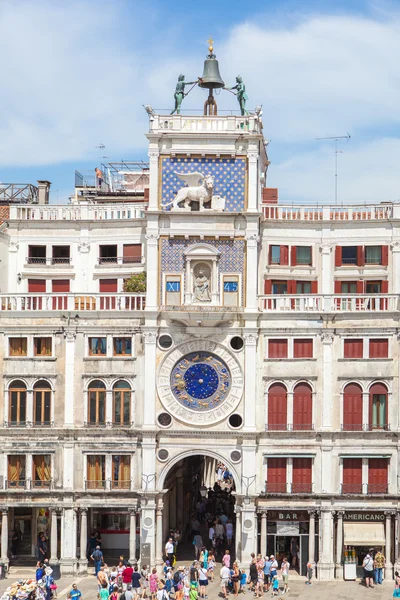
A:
77	73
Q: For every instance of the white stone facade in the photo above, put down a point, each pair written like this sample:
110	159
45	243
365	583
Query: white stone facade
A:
103	348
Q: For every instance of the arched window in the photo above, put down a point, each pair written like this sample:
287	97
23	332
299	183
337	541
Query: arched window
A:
378	406
121	403
17	399
352	408
302	407
277	407
97	403
41	403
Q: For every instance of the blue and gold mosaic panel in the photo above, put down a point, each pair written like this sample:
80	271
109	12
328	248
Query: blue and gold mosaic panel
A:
229	179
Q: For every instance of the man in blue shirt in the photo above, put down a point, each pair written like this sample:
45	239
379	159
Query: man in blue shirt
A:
97	557
267	573
74	594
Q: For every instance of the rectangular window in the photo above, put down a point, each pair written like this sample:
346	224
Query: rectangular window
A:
353	348
303	255
373	255
18	346
121	470
16	471
279	287
97	346
302	348
173	286
108	254
132	253
60	255
277	348
42	346
352	476
302	476
41	470
96	472
379	420
230	286
348	287
108	286
349	255
276	476
42	404
303	287
36	255
36	286
373	287
275	255
378	348
122	346
377	476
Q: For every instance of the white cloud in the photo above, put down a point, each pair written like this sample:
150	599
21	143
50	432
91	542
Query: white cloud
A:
70	82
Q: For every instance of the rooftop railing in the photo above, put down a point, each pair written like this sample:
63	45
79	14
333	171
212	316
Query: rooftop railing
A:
76	212
320	303
208	123
370	212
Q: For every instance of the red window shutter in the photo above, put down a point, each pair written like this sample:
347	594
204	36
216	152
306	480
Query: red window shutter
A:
276	475
302	349
302	407
360	256
291	286
293	257
352	407
377	475
277	348
267	286
284	255
378	348
338	256
360	286
385	256
302	475
132	253
277	407
36	286
338	287
60	285
353	349
384	286
314	287
108	286
352	475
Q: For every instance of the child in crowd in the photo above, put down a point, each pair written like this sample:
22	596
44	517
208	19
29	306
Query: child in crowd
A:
275	586
193	593
309	573
243	581
211	565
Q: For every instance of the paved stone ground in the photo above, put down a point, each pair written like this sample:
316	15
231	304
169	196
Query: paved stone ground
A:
332	590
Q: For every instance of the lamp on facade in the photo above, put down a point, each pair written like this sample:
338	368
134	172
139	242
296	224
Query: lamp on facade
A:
247	482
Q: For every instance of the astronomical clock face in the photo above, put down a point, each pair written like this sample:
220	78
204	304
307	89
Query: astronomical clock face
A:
200	382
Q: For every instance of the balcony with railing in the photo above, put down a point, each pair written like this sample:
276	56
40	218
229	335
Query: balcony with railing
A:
97	484
364	427
74	302
33	260
363	489
287	488
351	488
357	212
119	260
329	303
121	484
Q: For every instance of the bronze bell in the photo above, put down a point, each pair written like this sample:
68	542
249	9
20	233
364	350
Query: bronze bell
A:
211	77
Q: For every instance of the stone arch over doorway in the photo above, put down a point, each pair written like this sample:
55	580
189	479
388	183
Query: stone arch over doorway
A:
198	452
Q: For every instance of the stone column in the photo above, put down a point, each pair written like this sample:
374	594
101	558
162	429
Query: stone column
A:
238	533
252	158
159	532
179	499
149	417
53	535
365	410
132	535
325	563
397	543
68	541
152	270
388	545
327	387
395	271
4	535
251	300
339	544
263	541
153	178
147	531
250	368
326	282
311	537
83	563
69	388
248	533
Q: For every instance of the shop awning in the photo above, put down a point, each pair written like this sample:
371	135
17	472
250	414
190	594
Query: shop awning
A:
364	534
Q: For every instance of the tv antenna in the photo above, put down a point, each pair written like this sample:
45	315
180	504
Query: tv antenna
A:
336	139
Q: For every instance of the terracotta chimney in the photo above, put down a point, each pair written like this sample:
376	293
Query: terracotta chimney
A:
270	196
